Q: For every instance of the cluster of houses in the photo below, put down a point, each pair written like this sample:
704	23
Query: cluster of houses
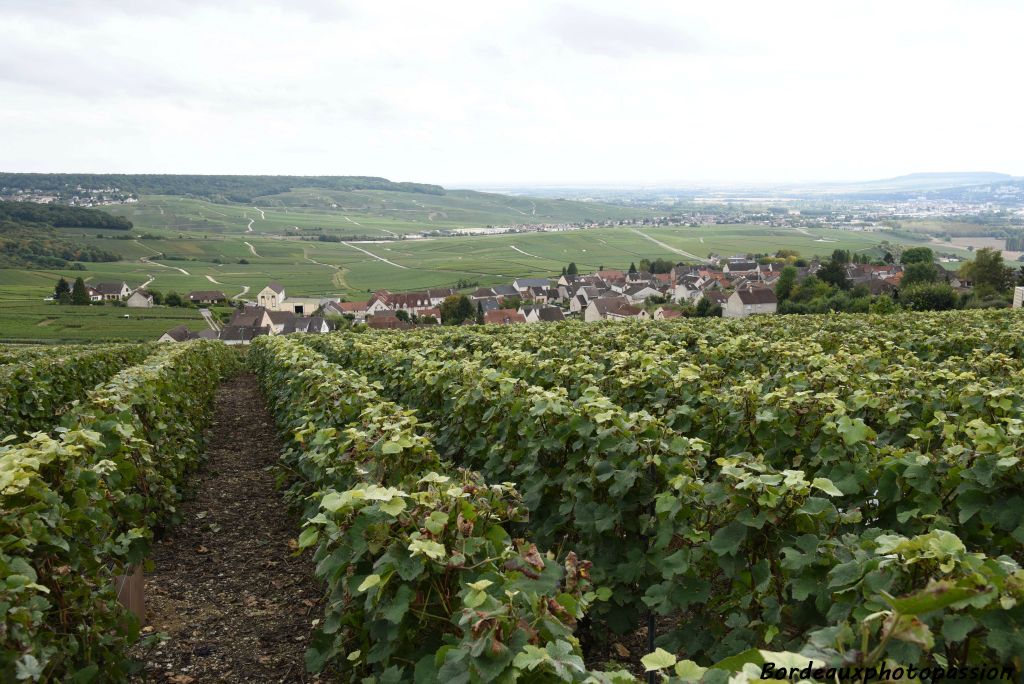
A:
274	313
739	286
140	298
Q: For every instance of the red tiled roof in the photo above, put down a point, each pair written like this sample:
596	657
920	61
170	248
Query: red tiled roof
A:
503	316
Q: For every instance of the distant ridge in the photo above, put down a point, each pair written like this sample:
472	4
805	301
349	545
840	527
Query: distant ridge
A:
937	180
903	186
233	188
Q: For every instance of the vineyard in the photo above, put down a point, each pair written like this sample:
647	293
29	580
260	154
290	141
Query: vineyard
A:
508	503
85	493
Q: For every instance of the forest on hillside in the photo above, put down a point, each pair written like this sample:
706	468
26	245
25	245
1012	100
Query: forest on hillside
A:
29	235
61	216
216	188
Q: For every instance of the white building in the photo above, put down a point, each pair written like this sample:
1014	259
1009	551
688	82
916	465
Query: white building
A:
271	296
612	308
274	298
743	303
139	300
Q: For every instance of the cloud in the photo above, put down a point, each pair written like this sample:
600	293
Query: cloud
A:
85	12
614	35
462	90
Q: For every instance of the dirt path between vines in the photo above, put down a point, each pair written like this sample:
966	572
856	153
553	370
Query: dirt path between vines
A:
235	604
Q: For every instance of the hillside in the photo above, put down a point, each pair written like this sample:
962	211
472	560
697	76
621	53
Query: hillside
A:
215	187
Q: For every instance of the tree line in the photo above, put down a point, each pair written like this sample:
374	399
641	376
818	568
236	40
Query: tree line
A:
925	286
61	216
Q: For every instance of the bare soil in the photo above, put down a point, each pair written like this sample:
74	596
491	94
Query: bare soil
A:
233	602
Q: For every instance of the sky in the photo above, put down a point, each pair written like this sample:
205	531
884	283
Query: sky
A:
505	93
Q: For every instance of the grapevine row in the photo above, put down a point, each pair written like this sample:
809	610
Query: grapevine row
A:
81	507
479	420
35	392
423	576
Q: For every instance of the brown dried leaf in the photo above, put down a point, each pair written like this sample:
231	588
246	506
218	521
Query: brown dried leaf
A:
533	557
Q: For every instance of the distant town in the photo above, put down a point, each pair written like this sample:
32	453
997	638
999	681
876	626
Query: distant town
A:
732	287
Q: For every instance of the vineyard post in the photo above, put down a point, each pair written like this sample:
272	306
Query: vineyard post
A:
652	474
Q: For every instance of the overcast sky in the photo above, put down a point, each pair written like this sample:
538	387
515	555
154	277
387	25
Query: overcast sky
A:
525	92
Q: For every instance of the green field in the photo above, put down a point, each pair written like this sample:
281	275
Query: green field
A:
365	213
194	235
28	319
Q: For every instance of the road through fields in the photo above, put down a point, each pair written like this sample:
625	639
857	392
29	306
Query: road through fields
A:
669	247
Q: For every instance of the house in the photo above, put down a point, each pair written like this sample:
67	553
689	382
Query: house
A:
310	325
639	277
489	304
177	334
207	297
663	314
589	292
770	277
542	314
538	295
387	320
260	317
241	334
578	303
503	317
355	309
278	320
716	297
682	269
483	293
111	291
439	294
612	308
140	299
611	274
380	302
432	312
1018	297
748	302
734	268
688	287
502	291
271	296
639	293
410	302
524	284
250	317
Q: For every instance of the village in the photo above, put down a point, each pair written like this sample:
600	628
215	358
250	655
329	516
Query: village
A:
731	287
